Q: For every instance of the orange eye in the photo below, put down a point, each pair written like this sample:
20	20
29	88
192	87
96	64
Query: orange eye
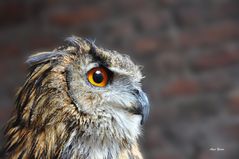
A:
98	77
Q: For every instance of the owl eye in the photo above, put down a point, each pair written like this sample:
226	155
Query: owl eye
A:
98	77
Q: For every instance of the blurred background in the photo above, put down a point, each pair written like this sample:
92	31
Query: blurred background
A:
189	50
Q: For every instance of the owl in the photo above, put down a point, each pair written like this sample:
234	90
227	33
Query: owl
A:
79	101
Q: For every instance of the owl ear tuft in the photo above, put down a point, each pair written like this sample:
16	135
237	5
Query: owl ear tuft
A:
72	44
73	41
43	57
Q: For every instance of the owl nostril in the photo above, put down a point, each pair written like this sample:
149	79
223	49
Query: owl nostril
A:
136	91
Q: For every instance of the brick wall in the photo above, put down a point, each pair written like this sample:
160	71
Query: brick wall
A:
189	50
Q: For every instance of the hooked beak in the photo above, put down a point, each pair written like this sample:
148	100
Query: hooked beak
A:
143	105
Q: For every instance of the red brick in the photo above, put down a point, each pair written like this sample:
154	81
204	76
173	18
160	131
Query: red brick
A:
12	13
77	16
212	84
151	20
169	63
171	155
231	130
206	154
154	138
229	10
10	50
233	101
144	45
168	2
181	87
218	59
209	35
37	42
5	113
190	15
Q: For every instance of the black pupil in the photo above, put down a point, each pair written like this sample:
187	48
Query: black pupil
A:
98	77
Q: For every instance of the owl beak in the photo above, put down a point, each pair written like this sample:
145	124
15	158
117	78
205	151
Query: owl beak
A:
143	105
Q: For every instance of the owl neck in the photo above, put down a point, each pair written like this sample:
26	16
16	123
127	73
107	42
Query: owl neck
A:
103	137
94	148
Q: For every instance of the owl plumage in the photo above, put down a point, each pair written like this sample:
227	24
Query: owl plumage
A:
60	113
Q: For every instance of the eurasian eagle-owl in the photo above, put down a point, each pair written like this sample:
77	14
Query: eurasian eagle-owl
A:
79	101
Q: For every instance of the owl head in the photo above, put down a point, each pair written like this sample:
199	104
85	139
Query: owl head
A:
84	92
